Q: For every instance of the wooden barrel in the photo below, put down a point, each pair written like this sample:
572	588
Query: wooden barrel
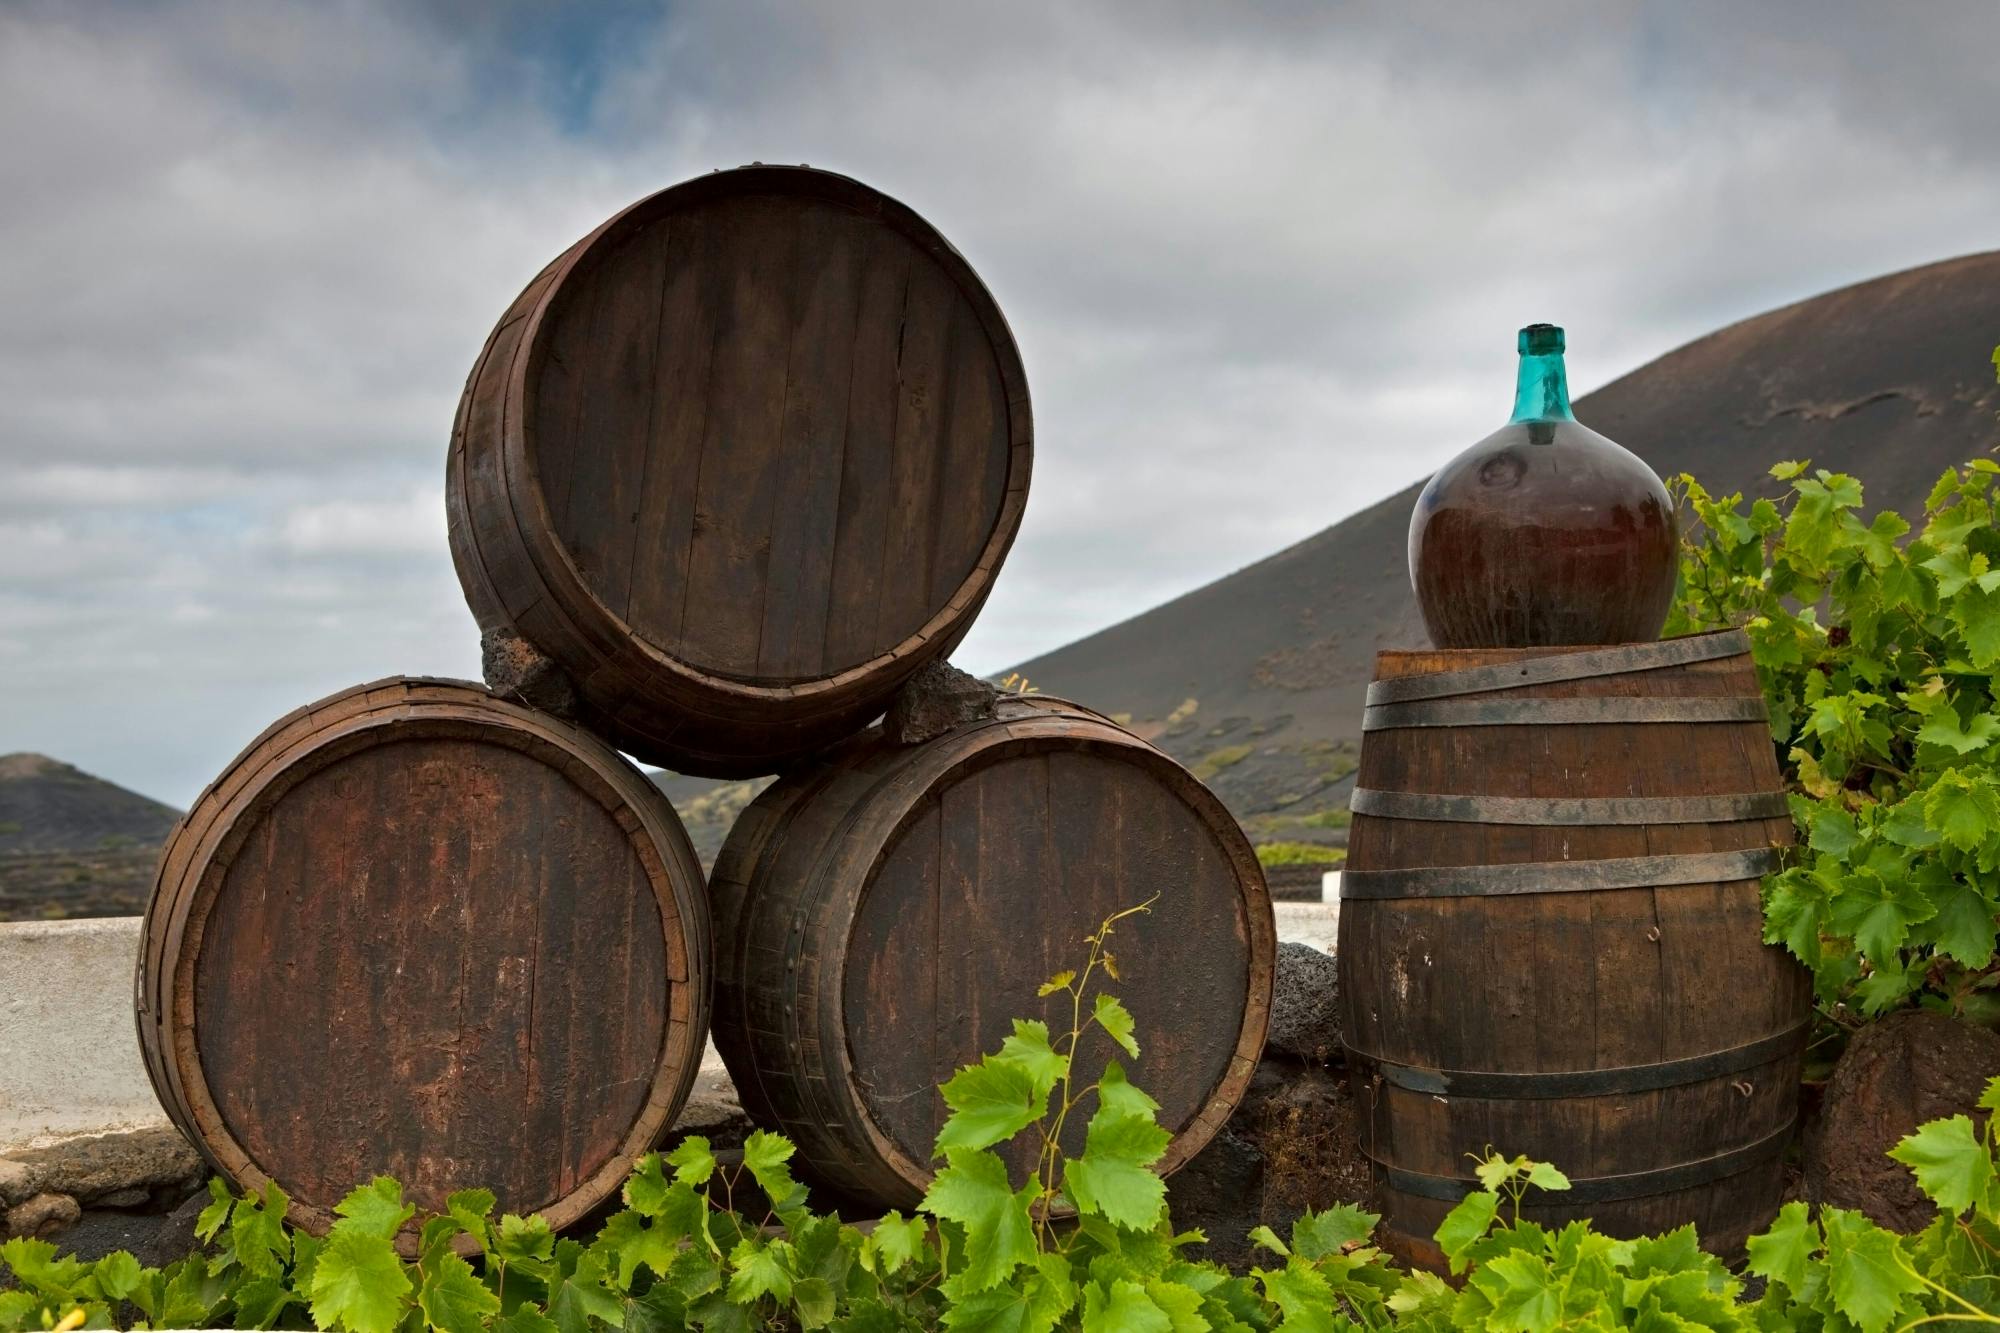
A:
887	911
1550	935
736	465
414	929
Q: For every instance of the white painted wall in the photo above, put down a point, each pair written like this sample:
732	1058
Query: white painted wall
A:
1316	924
69	1055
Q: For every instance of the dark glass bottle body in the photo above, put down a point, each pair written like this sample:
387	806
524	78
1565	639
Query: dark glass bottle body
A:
1544	533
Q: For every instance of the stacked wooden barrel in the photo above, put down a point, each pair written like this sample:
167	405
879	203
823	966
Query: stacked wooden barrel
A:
737	464
1550	935
419	930
885	911
728	472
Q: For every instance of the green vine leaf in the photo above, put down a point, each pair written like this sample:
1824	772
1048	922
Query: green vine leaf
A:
375	1209
454	1299
574	1302
1783	1251
359	1283
1963	808
812	1300
990	1103
1117	1094
894	1244
1029	1050
524	1239
118	1275
1976	612
693	1161
1113	1176
999	1231
1316	1235
209	1224
1964	927
1302	1293
635	1244
1796	903
646	1188
767	1155
1868	1270
1468	1220
526	1319
1032	1303
1953	1167
259	1302
1525	1293
1944	728
472	1210
1124	1307
1878	913
1116	1021
1180	1303
258	1235
759	1269
1264	1236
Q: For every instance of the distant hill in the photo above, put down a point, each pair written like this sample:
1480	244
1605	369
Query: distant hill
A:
72	844
1255	681
49	806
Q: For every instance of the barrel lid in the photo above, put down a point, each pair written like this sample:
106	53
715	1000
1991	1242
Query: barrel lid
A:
778	426
376	866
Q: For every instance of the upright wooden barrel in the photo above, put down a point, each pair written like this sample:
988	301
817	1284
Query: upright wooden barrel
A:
413	929
1550	935
887	911
737	464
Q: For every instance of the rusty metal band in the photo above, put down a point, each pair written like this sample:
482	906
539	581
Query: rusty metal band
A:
1612	872
1586	1082
1604	1189
1561	712
1564	666
1568	811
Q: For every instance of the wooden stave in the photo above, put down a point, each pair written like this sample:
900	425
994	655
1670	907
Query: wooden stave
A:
346	723
647	702
1771	1110
855	798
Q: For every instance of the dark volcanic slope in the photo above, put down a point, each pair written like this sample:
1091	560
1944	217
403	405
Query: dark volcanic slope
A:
72	844
48	806
1891	380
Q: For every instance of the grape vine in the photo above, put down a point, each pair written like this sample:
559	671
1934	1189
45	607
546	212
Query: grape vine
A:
1877	647
1081	1242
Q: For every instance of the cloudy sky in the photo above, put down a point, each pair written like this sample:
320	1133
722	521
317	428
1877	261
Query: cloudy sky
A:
1264	264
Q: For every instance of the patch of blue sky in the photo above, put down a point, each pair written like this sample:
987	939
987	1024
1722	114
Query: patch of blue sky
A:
565	51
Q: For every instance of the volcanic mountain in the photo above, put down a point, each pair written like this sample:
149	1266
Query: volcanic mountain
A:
1256	680
72	844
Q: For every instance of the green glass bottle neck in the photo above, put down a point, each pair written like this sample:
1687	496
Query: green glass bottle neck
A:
1542	391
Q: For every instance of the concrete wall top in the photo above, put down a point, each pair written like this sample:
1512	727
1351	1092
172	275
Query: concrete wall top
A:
69	1055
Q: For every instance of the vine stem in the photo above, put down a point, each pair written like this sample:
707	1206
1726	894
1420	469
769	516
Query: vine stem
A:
1978	1316
1049	1162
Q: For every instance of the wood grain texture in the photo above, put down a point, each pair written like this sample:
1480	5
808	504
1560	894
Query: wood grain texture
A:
1565	981
889	910
740	462
415	930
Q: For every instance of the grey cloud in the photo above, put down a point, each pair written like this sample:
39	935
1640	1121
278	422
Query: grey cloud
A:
1264	263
